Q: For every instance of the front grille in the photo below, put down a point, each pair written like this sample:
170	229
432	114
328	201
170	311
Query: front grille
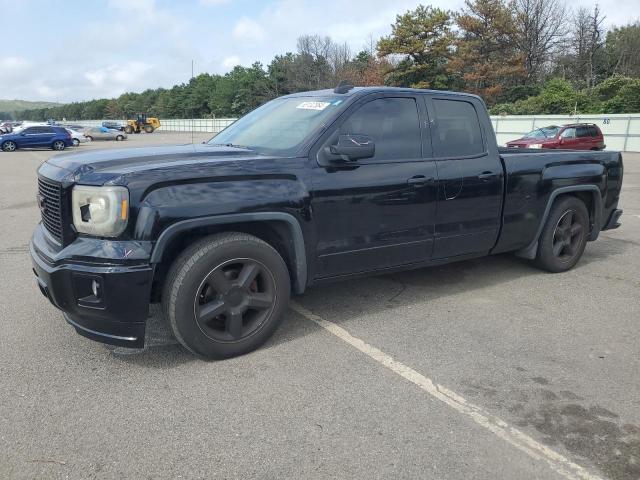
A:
50	202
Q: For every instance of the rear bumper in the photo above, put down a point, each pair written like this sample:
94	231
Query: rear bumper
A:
103	301
613	220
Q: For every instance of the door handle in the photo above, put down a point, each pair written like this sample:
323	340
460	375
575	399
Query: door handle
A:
484	176
419	180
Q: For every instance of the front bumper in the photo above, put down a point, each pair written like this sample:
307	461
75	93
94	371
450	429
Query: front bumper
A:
105	299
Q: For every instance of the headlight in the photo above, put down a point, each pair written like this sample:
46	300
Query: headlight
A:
100	211
535	145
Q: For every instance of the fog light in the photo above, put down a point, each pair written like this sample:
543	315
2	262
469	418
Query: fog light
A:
95	288
89	290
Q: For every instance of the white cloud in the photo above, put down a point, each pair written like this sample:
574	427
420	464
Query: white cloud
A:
120	77
229	62
210	3
248	30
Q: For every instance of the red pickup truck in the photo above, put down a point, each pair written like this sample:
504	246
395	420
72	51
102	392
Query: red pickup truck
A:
576	136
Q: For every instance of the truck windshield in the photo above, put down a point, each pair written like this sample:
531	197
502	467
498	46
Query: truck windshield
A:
546	132
280	126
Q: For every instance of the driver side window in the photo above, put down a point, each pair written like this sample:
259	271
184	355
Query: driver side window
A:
392	123
569	133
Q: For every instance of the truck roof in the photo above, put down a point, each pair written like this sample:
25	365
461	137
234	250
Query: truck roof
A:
357	91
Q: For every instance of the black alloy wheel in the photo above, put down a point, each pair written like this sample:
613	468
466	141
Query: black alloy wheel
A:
567	236
234	300
564	236
226	294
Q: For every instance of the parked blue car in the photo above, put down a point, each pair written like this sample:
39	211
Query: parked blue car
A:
56	138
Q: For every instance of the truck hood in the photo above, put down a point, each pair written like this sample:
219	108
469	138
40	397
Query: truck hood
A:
115	166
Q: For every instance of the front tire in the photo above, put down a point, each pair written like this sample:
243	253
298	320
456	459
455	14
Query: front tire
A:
564	236
9	146
148	129
226	294
119	138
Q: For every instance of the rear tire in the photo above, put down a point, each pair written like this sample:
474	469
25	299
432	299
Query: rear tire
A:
226	294
148	129
58	145
9	146
76	142
119	138
564	236
128	129
89	137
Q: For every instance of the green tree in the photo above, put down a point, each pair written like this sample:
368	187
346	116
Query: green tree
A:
487	56
421	40
622	46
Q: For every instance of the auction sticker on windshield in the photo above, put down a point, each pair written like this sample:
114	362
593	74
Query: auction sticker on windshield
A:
313	105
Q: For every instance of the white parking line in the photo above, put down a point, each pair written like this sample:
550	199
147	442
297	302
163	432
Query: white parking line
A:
500	428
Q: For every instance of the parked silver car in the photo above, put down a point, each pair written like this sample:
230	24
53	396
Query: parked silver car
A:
103	133
77	136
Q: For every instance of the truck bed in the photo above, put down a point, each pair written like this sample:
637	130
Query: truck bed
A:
534	177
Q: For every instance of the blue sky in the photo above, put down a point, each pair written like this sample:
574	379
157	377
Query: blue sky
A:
66	50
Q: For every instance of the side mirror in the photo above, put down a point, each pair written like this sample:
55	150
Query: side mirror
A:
353	147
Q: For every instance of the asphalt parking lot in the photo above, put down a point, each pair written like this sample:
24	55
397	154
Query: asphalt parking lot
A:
499	371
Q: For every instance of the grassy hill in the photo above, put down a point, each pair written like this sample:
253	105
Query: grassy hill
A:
17	105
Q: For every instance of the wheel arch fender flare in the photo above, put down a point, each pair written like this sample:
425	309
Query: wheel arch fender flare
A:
293	226
531	250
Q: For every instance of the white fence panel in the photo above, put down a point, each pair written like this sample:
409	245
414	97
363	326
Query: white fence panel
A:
211	125
621	131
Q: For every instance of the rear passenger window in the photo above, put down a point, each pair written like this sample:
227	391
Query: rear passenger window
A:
393	125
42	130
583	132
593	131
458	129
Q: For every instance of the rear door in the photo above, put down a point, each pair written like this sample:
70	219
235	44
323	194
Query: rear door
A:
377	212
596	137
46	136
585	139
470	177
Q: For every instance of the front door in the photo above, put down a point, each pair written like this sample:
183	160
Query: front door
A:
28	137
470	177
569	139
378	212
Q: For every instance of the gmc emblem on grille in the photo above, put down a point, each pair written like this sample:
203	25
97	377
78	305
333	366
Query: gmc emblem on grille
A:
42	204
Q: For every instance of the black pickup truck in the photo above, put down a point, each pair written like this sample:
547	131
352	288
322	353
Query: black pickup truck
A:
308	188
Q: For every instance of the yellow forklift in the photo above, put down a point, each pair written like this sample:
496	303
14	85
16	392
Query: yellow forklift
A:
142	123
